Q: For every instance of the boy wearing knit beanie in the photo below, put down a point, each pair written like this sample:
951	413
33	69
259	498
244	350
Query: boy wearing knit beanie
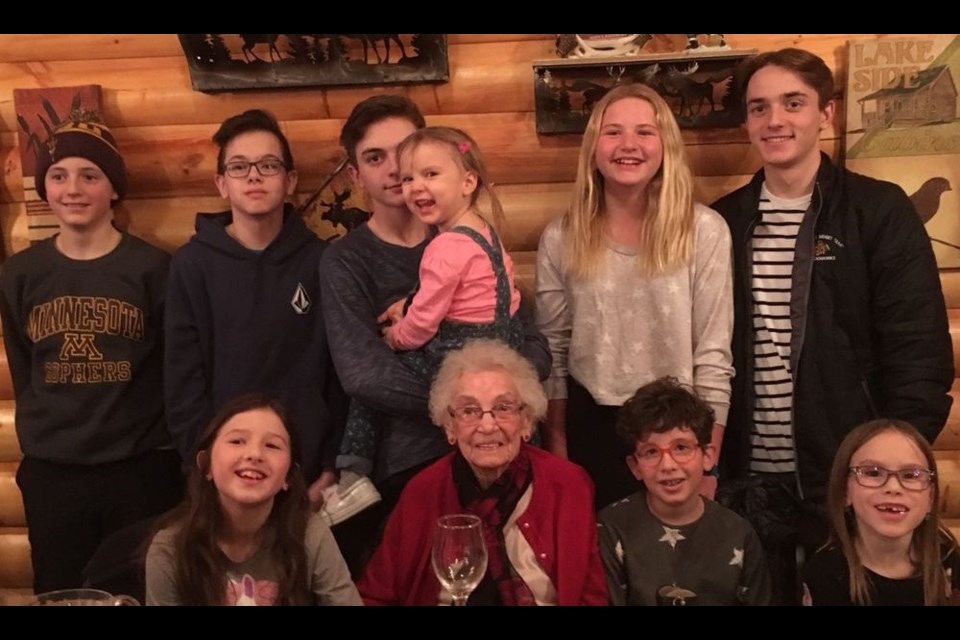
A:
82	320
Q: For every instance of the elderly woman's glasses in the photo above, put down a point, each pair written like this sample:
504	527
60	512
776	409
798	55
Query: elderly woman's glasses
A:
681	451
911	478
502	413
265	167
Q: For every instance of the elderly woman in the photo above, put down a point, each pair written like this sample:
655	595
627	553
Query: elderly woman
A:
536	509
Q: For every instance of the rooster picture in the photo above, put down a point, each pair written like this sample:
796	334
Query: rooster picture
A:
926	200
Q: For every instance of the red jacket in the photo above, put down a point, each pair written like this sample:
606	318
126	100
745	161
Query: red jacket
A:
560	526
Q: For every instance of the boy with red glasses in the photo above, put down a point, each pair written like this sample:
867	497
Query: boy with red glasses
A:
666	544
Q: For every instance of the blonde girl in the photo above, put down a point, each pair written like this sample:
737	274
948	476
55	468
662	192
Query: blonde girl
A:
633	283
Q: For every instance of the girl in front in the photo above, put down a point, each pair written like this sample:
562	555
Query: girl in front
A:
887	546
633	284
466	285
245	535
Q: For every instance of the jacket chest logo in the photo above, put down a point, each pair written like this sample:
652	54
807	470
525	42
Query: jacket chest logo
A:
300	301
826	248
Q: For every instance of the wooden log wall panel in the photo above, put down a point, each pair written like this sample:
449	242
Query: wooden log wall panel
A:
953	524
949	438
948	471
164	129
953	316
168	222
156	91
950	282
6	383
16	597
44	47
172	101
30	47
484	77
13	223
15	569
180	160
11	505
10	166
9	447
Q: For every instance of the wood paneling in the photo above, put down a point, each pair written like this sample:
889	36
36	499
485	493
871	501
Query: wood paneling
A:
9	447
484	77
44	47
950	281
11	506
163	128
6	383
180	160
949	438
15	568
948	472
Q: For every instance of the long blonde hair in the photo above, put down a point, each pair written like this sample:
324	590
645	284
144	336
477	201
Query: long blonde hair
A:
465	149
930	540
668	226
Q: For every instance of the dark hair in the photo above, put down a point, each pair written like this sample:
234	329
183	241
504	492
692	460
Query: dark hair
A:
810	67
371	111
662	405
930	541
252	120
200	571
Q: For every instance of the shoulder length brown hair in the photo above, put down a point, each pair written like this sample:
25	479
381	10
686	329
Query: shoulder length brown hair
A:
198	522
930	542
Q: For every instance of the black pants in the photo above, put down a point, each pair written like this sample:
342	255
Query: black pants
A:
790	528
71	508
592	442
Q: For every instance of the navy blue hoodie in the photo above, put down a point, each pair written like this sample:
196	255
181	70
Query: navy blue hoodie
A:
241	321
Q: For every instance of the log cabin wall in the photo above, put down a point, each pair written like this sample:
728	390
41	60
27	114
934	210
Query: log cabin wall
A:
163	128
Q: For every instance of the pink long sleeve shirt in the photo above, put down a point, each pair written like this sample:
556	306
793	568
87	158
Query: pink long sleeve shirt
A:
456	283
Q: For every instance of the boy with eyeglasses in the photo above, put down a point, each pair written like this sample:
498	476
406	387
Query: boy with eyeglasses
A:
243	308
665	544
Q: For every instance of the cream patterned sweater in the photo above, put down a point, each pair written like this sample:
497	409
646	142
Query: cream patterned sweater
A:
618	330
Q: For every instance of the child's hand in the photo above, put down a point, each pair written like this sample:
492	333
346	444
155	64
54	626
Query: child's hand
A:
394	312
390	337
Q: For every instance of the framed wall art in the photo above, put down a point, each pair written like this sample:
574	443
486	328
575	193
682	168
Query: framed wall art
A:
698	85
220	62
39	111
903	125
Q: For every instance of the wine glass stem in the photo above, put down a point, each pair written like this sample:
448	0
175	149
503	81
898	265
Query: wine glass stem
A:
460	601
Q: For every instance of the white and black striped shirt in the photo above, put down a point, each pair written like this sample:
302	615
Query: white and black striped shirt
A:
773	243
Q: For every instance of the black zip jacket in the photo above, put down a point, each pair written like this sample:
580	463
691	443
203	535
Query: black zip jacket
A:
870	336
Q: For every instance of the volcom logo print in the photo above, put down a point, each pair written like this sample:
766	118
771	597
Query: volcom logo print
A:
300	301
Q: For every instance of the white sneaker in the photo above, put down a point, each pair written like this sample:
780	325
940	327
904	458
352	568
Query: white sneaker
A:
341	503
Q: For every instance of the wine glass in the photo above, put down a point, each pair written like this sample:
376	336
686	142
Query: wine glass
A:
459	555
